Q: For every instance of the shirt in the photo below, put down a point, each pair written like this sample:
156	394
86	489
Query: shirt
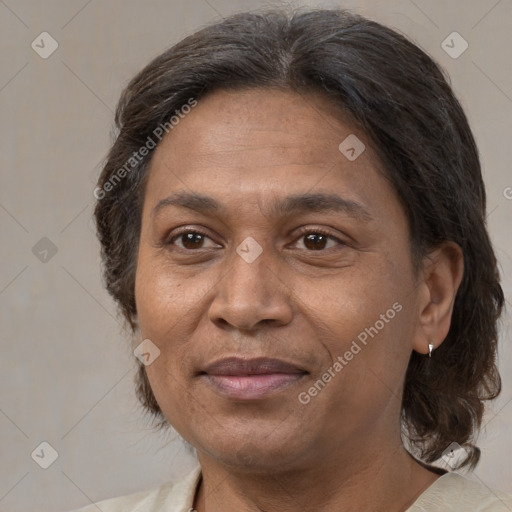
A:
451	492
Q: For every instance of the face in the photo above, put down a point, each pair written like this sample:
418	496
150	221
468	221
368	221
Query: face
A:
274	275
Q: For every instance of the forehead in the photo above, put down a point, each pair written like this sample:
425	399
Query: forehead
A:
284	124
251	144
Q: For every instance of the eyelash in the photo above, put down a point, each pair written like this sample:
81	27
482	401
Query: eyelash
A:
319	231
302	233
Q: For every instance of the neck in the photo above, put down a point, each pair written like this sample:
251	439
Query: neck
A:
371	479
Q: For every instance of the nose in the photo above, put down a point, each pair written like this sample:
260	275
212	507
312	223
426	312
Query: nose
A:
251	294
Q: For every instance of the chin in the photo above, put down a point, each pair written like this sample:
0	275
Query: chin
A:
256	450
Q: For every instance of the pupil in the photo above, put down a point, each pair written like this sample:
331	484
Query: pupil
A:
194	239
312	241
312	238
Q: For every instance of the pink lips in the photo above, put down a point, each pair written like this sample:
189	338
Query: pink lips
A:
251	379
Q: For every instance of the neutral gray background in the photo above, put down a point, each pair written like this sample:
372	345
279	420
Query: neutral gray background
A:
66	367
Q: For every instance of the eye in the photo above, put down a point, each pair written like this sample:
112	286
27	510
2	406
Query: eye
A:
318	239
312	239
190	240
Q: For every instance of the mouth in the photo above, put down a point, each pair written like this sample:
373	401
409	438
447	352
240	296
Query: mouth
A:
251	379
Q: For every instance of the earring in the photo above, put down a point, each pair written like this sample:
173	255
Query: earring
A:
430	349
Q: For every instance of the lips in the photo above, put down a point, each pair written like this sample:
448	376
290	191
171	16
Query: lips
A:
250	379
259	366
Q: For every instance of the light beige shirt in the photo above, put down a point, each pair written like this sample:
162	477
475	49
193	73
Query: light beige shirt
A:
451	492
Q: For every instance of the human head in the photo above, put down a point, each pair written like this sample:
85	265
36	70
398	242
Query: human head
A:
418	131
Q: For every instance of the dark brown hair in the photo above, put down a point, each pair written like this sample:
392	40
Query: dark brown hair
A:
403	103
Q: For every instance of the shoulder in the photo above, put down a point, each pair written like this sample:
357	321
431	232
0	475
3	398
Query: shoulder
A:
455	493
171	496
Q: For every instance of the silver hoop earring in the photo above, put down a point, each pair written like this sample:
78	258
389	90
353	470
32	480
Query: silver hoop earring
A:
430	349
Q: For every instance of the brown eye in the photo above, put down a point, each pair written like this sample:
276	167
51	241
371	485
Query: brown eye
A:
189	240
315	240
192	240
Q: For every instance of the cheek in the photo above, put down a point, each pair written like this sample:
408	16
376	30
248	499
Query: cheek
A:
162	309
163	298
355	299
172	395
365	321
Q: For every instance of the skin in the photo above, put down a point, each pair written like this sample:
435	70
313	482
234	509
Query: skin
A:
299	301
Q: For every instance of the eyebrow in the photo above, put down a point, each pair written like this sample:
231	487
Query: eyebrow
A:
294	204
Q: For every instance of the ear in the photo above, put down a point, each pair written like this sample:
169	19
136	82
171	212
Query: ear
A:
441	274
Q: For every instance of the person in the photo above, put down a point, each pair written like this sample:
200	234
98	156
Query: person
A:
292	221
